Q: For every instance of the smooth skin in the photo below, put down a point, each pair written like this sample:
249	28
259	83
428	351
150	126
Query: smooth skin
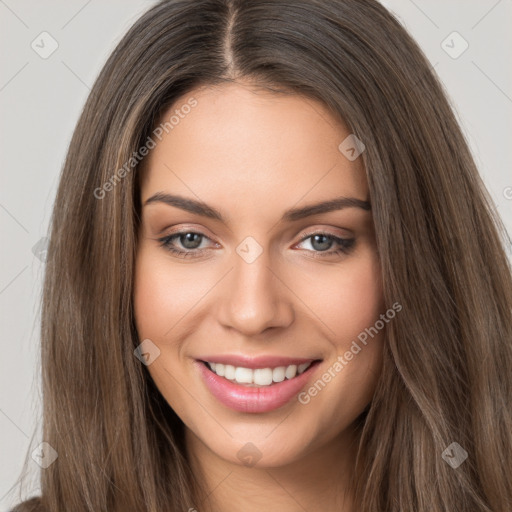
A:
253	154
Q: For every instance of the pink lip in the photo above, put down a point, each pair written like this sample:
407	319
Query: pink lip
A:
253	399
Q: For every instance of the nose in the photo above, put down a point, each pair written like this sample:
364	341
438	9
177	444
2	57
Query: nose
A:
254	297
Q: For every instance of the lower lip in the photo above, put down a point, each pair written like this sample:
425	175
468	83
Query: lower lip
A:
253	399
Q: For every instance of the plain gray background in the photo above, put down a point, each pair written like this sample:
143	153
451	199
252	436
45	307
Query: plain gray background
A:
41	98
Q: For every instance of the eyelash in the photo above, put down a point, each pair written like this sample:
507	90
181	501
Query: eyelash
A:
345	245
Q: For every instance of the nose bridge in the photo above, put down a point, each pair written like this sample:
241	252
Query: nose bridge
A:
254	299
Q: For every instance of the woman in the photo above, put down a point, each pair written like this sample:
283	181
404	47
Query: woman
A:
231	156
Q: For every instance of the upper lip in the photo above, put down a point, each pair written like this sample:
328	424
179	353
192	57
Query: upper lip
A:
263	361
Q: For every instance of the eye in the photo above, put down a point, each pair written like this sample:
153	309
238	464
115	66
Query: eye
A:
191	244
321	243
189	240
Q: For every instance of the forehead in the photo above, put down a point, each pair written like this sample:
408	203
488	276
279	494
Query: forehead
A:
239	143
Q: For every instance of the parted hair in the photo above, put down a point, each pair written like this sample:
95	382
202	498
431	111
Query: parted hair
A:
447	368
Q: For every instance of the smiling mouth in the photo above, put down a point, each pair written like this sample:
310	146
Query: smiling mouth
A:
259	377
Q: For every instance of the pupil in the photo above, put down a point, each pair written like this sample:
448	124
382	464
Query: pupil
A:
323	246
188	240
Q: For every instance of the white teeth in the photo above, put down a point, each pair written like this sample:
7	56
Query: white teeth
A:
291	371
262	377
229	372
259	376
302	367
278	374
243	375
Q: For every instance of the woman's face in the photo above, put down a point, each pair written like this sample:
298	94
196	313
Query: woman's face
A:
264	280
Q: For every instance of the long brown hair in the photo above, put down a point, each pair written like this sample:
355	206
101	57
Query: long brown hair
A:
447	372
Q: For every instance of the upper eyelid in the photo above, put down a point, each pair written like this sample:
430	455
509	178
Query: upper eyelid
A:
303	237
177	235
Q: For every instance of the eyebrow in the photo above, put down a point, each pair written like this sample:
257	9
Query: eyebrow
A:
293	214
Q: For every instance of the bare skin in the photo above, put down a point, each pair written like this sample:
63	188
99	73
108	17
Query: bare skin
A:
252	155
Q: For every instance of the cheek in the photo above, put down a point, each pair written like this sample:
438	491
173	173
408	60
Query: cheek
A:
164	294
151	297
351	305
350	298
359	299
161	298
